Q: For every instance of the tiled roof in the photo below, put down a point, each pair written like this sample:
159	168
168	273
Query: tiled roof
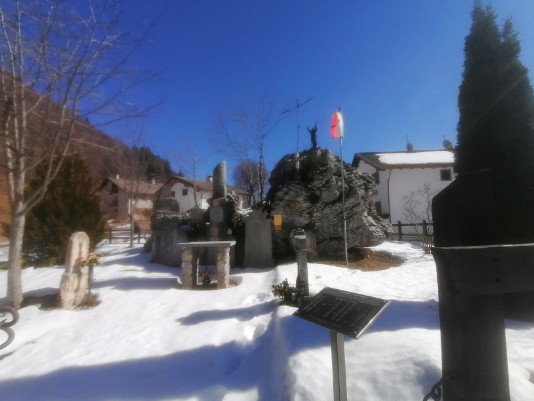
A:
413	159
142	188
202	185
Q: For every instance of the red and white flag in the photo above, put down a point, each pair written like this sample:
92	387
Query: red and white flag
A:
336	128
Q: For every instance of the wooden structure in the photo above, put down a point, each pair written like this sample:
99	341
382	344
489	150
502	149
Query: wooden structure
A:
474	271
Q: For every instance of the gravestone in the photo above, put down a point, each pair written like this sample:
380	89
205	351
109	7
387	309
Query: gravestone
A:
258	241
75	281
166	232
196	224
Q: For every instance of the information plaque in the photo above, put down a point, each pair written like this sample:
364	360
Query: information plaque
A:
342	311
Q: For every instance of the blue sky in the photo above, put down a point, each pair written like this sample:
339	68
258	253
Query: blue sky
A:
393	67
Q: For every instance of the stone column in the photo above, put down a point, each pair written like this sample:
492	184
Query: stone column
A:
189	268
303	288
223	267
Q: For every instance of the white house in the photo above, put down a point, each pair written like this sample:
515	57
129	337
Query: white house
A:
398	174
184	189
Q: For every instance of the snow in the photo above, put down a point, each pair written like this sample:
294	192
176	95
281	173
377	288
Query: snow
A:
411	158
150	340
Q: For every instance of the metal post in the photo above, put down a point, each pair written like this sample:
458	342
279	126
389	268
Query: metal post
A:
338	366
343	197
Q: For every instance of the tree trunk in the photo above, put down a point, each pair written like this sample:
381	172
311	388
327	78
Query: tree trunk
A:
14	274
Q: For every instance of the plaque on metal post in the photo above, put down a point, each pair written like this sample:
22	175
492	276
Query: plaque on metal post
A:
342	311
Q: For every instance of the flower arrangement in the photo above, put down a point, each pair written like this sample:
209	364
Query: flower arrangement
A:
90	260
205	275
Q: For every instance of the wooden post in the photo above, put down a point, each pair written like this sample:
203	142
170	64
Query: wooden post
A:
399	228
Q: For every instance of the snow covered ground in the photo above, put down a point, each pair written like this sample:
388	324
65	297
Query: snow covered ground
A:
150	340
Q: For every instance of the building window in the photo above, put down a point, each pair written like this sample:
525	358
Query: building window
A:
446	175
378	207
184	192
173	194
376	176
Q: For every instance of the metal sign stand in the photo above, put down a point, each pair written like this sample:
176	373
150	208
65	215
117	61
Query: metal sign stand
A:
338	365
344	313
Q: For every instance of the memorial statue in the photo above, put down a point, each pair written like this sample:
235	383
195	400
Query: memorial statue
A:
313	134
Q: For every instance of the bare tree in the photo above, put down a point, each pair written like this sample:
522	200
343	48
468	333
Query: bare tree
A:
57	68
417	210
243	136
133	171
190	162
246	176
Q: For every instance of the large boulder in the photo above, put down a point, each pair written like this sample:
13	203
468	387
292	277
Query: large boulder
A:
310	197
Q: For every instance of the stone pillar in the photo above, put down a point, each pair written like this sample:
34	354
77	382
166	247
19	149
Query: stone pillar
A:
303	288
223	267
75	281
189	268
219	180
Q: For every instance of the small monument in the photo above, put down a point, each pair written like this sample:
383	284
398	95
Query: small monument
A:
303	287
75	281
258	241
218	203
166	232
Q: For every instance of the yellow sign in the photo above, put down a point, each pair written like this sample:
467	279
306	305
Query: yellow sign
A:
277	220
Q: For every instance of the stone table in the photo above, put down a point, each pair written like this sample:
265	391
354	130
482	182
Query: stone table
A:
190	262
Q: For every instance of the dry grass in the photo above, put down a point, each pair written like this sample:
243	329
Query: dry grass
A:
364	260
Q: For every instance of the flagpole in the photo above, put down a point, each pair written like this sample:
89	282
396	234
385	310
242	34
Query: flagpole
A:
343	200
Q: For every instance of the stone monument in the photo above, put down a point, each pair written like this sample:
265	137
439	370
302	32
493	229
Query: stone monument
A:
258	240
218	203
75	281
311	197
166	232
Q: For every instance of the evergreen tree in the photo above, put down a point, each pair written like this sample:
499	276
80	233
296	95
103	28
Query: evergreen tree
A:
70	204
156	167
496	125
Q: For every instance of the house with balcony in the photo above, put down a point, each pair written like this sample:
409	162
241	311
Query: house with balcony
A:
118	196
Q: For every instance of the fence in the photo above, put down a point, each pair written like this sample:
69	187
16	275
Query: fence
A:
122	234
418	231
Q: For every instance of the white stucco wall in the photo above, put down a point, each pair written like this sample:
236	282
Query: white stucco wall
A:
382	190
405	181
401	183
187	202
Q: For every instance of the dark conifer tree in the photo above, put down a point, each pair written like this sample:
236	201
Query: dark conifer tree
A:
70	204
496	125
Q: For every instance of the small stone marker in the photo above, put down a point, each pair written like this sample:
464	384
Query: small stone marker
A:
303	288
258	241
344	313
75	281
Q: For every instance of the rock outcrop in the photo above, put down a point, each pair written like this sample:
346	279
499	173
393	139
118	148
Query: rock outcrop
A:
310	197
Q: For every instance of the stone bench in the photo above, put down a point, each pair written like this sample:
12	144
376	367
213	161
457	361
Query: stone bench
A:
189	276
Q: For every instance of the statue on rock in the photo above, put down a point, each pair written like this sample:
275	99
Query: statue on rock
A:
313	135
310	197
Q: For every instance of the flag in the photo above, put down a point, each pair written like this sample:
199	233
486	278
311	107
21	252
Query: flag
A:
336	128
